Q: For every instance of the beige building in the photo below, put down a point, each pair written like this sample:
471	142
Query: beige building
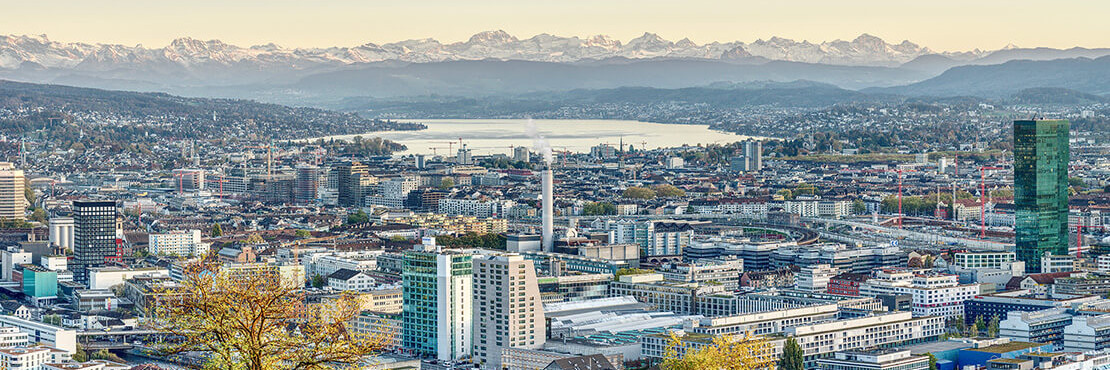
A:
508	312
13	203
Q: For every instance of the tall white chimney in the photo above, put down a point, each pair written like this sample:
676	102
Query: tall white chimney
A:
548	211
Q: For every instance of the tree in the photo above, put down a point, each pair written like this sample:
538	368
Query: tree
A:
318	281
255	239
302	233
359	217
992	327
726	352
599	208
980	325
959	325
932	361
858	207
38	214
668	191
447	183
637	192
792	356
258	321
80	355
217	231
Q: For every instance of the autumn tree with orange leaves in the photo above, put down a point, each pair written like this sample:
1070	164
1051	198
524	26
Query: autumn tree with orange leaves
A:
253	321
725	352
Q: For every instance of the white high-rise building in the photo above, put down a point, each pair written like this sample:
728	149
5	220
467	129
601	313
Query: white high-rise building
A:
177	243
933	294
464	156
508	311
10	259
61	232
13	202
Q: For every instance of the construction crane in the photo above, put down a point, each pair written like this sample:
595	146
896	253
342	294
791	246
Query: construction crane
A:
269	157
982	199
222	180
1079	237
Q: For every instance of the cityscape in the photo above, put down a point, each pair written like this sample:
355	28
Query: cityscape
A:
553	202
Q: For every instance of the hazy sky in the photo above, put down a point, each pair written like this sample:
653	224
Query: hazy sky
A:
939	24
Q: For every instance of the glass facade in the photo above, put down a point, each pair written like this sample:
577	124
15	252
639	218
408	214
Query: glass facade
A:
1040	189
422	314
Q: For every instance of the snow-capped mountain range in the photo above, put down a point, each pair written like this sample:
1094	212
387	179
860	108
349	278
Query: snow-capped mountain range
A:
40	52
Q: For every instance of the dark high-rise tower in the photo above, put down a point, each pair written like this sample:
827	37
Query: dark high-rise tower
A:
94	235
1040	189
351	177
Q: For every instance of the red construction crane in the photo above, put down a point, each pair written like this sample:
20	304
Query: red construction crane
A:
982	199
899	172
221	181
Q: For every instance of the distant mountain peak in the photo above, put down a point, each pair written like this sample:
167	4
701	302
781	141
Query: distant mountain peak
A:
498	37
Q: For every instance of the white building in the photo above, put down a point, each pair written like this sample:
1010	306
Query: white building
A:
61	232
345	280
475	207
107	277
815	278
1087	333
29	358
507	307
13	202
10	259
933	294
675	163
708	271
183	243
12	337
984	260
61	338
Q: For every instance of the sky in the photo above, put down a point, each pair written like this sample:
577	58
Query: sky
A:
943	25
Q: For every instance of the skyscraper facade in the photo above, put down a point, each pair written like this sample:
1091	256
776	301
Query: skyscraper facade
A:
13	203
436	313
94	235
350	178
508	311
1040	189
306	184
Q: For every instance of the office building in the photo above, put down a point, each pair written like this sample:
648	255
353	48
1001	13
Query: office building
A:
522	154
13	201
880	359
437	313
94	235
1040	189
814	278
58	337
181	243
1045	326
307	184
189	179
351	178
1087	333
11	260
725	272
508	312
750	158
933	294
465	156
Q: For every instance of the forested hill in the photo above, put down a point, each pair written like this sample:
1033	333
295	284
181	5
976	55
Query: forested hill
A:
26	107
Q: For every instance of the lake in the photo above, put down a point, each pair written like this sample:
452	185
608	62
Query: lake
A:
492	136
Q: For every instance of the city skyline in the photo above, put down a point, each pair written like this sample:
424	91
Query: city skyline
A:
983	25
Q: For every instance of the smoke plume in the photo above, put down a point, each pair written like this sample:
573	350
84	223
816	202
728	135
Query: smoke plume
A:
539	143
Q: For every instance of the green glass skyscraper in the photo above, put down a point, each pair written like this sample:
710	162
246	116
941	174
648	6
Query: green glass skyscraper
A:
1041	189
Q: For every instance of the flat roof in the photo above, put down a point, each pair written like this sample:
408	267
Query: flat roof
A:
1007	347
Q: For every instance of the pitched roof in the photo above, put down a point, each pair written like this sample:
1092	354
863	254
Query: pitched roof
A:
344	274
